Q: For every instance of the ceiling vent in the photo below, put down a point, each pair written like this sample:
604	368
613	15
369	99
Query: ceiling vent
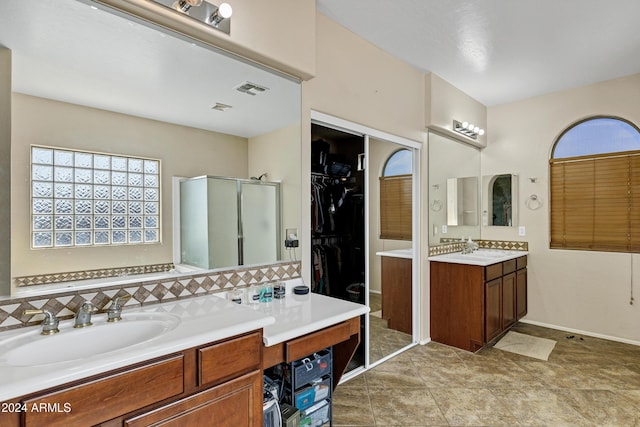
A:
221	107
251	88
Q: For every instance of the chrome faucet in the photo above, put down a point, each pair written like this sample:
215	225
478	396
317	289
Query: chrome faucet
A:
49	323
83	316
114	313
470	246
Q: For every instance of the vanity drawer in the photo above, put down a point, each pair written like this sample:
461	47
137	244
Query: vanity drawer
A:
521	262
228	359
105	398
492	271
308	344
509	266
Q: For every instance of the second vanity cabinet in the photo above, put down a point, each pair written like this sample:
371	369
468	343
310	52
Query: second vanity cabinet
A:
215	384
471	305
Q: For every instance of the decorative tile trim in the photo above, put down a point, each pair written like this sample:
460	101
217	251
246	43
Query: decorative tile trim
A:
504	244
44	279
486	244
65	304
446	248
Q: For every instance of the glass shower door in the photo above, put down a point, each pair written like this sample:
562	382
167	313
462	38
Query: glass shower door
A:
260	227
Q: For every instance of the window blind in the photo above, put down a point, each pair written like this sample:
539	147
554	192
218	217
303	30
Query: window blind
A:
395	207
595	202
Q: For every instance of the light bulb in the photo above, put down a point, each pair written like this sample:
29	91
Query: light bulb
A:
476	129
481	132
225	10
464	125
471	126
184	5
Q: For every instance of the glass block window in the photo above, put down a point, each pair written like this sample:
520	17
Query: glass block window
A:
80	198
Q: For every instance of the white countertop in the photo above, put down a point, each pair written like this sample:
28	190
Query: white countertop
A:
397	253
482	257
202	320
297	315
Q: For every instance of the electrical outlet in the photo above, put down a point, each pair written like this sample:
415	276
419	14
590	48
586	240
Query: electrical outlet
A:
521	231
291	239
444	229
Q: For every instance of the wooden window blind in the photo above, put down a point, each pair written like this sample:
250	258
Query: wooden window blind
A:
595	202
395	207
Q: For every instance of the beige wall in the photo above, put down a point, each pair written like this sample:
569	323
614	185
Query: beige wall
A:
357	81
183	151
277	154
5	170
444	103
587	291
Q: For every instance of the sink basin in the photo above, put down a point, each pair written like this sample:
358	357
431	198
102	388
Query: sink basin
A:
32	349
489	253
479	257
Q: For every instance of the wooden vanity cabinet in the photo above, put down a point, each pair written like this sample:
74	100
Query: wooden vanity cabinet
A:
344	337
230	404
214	384
473	305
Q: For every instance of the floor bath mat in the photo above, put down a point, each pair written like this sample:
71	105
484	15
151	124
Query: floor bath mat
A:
526	345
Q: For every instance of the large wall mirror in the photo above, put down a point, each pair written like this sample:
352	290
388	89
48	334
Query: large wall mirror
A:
84	78
454	189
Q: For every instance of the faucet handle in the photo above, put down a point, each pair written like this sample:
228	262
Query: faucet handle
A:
114	313
83	316
87	307
49	323
117	301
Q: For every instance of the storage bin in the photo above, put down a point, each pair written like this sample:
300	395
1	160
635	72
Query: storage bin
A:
305	397
318	390
310	368
322	388
318	415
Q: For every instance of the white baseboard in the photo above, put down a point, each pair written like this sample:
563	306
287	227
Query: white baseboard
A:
581	332
373	291
425	341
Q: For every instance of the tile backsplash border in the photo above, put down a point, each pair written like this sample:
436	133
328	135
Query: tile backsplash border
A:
65	304
45	279
456	246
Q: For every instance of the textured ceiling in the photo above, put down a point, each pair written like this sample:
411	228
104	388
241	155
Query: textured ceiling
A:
499	51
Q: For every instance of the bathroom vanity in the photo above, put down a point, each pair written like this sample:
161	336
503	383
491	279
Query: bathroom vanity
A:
476	297
204	368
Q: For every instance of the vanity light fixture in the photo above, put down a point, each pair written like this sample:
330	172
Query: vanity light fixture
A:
184	5
224	11
203	11
468	129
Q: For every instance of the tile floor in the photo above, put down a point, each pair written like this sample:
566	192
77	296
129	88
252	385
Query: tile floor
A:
586	382
383	341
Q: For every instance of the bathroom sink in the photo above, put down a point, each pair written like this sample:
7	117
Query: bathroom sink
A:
32	349
489	253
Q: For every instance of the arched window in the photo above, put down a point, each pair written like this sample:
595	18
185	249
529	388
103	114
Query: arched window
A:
595	186
395	196
399	163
